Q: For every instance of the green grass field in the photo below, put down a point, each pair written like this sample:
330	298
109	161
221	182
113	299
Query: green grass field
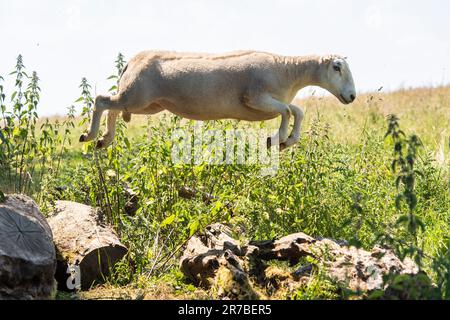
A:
337	182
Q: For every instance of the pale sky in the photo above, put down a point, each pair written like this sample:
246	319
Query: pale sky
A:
389	43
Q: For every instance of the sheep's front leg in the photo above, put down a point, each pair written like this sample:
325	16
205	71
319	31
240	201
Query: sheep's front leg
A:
268	104
295	134
95	126
108	137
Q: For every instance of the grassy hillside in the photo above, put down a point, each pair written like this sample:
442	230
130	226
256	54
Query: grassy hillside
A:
337	182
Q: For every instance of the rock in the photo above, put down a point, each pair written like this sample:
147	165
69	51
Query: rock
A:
361	270
352	268
213	261
289	248
132	202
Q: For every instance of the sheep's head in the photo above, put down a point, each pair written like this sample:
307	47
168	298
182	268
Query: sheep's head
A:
337	78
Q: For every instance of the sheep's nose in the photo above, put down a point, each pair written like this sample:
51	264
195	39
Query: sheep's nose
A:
352	97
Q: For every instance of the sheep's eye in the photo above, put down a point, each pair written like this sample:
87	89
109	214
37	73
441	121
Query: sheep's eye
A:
337	68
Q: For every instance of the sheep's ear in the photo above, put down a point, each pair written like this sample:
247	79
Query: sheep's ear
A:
338	63
327	59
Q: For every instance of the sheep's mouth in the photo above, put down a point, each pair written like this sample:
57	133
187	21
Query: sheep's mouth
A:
343	100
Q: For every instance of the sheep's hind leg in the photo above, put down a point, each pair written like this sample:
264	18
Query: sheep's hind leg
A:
295	134
101	104
95	126
268	104
108	137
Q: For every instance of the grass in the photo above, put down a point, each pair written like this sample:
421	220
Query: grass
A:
337	182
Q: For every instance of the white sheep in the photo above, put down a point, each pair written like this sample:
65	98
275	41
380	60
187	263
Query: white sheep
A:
244	85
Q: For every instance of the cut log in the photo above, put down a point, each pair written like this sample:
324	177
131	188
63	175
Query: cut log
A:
27	253
86	248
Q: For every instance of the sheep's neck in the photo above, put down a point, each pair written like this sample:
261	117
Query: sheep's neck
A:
303	71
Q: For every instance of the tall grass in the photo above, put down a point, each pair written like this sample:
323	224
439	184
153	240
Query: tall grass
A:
337	182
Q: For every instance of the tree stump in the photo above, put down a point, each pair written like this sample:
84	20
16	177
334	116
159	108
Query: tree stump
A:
27	253
86	248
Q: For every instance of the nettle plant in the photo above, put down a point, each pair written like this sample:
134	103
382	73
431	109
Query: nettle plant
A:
30	153
103	183
4	143
408	243
403	164
18	137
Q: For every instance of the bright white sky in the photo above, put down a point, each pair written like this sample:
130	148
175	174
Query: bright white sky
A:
390	43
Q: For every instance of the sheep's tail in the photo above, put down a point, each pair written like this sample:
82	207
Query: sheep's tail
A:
103	102
112	102
126	116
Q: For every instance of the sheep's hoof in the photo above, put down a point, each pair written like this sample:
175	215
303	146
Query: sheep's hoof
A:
282	146
83	138
100	144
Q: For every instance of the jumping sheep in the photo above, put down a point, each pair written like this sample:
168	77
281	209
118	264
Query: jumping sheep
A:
244	85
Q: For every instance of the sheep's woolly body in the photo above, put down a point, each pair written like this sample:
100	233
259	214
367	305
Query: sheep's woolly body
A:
243	85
